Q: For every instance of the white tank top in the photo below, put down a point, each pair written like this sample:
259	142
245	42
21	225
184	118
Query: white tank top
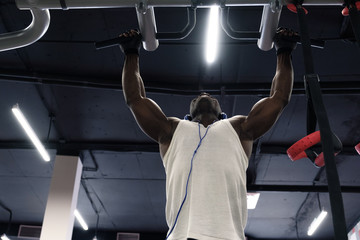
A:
215	207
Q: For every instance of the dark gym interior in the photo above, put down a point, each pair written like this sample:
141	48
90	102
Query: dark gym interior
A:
71	94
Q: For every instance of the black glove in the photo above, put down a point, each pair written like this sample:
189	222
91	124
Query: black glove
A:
130	42
285	40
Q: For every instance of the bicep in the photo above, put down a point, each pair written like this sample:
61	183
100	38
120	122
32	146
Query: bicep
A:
263	116
150	118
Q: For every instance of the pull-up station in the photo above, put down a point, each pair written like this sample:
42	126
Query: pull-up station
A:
147	22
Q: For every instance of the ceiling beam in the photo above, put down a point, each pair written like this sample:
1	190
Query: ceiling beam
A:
345	85
299	188
134	147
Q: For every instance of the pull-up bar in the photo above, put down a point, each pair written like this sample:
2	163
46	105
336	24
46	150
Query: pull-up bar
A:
76	4
37	28
146	18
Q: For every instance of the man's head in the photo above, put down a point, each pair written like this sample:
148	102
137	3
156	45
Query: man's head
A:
205	104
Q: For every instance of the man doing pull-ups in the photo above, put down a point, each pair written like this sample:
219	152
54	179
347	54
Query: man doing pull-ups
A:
206	157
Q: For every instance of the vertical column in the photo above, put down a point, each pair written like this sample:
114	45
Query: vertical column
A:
59	214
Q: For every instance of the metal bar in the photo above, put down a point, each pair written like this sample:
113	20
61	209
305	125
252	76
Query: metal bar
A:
238	35
282	148
348	84
37	28
79	4
147	25
81	146
191	14
138	147
299	188
269	23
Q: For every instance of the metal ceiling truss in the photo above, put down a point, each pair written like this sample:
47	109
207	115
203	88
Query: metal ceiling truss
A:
348	85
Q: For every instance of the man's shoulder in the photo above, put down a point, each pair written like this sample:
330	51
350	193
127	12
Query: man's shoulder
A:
238	123
238	119
174	121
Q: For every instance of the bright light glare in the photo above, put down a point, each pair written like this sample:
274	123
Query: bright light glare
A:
212	35
4	237
81	220
252	199
30	132
317	221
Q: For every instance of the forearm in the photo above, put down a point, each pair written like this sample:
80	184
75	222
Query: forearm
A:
133	86
283	81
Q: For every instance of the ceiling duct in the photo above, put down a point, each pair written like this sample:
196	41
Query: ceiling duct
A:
127	236
29	232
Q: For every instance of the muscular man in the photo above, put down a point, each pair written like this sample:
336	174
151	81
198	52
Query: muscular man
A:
205	158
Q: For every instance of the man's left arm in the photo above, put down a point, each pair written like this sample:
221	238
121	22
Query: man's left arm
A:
265	113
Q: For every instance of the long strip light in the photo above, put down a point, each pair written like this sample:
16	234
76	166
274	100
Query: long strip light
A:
316	223
212	35
30	132
81	220
4	237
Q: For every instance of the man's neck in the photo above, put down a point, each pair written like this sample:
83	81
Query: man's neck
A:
205	119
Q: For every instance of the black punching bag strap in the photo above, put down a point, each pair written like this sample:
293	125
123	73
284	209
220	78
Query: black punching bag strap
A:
309	66
352	8
318	110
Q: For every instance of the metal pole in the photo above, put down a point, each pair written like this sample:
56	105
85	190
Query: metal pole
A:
147	25
76	4
37	28
269	23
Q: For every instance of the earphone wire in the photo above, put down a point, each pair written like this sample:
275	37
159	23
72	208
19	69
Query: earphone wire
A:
188	178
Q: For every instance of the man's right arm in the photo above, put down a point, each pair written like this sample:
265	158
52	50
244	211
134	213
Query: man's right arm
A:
147	113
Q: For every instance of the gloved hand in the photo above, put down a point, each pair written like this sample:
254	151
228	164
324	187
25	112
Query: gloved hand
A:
131	42
285	40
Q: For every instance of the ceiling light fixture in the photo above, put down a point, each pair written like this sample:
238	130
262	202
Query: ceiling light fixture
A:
316	223
81	220
212	35
252	199
4	237
30	132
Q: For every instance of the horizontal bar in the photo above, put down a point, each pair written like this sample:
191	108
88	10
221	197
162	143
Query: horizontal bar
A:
299	188
191	22
81	146
135	147
281	149
81	4
238	35
262	87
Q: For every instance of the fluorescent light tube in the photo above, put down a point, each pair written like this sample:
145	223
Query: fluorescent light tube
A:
316	223
212	35
30	132
4	237
81	220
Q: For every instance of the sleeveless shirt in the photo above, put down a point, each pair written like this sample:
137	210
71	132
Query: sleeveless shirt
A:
215	207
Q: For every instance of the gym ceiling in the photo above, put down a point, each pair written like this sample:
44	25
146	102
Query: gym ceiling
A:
71	94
